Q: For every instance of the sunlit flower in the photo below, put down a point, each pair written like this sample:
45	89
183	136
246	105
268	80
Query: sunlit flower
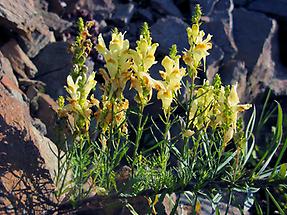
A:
118	63
143	58
198	46
170	85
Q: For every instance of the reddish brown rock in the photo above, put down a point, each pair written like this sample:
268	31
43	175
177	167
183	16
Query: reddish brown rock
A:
7	69
27	164
20	62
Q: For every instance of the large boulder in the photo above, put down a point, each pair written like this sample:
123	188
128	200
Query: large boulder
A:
54	63
169	31
166	7
277	8
255	48
220	25
21	63
27	164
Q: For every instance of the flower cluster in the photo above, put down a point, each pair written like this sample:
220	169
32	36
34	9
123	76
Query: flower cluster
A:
172	76
216	106
143	58
198	45
212	106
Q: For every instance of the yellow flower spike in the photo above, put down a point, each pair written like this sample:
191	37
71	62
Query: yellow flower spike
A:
143	58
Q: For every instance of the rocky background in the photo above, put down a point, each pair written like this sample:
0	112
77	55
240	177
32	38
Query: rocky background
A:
250	48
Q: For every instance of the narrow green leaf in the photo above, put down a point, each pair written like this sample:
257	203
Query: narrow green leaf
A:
281	211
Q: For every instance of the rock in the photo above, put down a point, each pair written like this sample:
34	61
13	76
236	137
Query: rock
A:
213	61
101	9
168	31
27	163
234	72
22	18
220	25
40	126
277	8
47	113
206	5
56	6
166	7
124	12
250	40
240	2
20	62
145	15
6	69
256	48
54	22
54	63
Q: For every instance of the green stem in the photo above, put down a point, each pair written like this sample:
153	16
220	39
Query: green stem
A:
139	132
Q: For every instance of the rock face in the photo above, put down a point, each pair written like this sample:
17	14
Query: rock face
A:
21	63
163	31
34	33
255	51
54	64
277	8
166	7
220	25
27	163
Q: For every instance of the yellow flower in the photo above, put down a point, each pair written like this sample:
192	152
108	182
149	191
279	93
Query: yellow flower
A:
198	46
171	81
143	58
118	63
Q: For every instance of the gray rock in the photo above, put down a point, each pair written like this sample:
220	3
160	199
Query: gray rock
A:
22	18
101	8
220	25
240	2
213	61
249	39
166	7
206	5
169	31
124	12
145	15
40	126
54	22
54	63
256	48
278	7
235	72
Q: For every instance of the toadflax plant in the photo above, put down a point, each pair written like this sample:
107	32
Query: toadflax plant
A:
205	158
